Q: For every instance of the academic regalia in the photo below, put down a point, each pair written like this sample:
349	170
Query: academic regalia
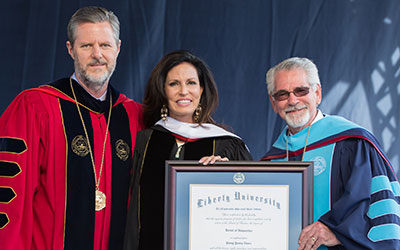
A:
153	147
46	173
356	192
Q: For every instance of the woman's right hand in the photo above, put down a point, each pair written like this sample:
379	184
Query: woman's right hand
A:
212	159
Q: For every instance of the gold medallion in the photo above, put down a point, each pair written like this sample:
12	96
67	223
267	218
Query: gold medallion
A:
100	200
79	146
122	149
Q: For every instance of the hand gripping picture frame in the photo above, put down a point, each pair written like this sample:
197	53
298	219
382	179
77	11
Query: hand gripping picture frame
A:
237	205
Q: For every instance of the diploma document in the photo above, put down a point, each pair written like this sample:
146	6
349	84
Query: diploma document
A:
238	217
237	205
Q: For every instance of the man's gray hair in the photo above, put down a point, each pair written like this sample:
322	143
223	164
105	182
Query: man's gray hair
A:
92	14
294	63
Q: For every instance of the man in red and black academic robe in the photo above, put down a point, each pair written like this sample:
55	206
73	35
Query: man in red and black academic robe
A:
66	150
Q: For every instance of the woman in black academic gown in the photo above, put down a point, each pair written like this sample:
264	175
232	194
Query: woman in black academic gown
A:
180	97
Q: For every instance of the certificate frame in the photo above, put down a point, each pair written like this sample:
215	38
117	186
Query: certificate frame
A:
181	174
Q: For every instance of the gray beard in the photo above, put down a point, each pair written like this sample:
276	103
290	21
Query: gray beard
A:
298	121
94	83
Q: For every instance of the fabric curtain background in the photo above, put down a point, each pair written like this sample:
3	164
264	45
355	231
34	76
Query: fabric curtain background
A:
355	44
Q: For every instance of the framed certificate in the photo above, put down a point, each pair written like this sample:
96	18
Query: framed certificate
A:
242	205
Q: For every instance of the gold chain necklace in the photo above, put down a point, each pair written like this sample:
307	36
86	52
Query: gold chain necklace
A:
100	197
305	145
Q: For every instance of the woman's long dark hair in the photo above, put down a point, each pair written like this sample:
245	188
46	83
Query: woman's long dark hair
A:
155	96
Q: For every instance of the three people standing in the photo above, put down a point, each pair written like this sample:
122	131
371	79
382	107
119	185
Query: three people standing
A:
68	149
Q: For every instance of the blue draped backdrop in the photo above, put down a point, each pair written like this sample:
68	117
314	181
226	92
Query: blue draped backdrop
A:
355	44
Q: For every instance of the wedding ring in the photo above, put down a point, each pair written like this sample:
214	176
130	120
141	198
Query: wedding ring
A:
313	239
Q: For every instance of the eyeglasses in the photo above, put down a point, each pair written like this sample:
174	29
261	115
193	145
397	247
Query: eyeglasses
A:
282	95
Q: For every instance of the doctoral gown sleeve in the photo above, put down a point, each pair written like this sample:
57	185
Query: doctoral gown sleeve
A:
131	240
365	201
22	140
232	148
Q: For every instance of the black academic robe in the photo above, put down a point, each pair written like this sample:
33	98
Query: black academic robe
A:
154	146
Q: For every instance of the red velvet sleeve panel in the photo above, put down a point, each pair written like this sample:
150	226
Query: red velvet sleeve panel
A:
37	183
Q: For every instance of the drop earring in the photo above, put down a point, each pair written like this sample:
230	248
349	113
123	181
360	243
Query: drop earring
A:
197	113
164	113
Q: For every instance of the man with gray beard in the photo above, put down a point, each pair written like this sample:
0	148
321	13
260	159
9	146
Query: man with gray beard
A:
66	148
356	192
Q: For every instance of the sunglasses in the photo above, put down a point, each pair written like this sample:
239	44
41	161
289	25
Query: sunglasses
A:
282	95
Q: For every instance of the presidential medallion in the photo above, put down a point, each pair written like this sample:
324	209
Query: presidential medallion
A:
122	149
100	200
80	146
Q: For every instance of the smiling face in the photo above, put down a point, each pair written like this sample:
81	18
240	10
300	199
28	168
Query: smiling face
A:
183	90
95	53
298	112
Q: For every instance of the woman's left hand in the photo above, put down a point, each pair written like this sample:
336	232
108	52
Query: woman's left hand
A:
212	159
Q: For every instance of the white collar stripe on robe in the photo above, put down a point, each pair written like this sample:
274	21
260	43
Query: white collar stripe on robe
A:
194	130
